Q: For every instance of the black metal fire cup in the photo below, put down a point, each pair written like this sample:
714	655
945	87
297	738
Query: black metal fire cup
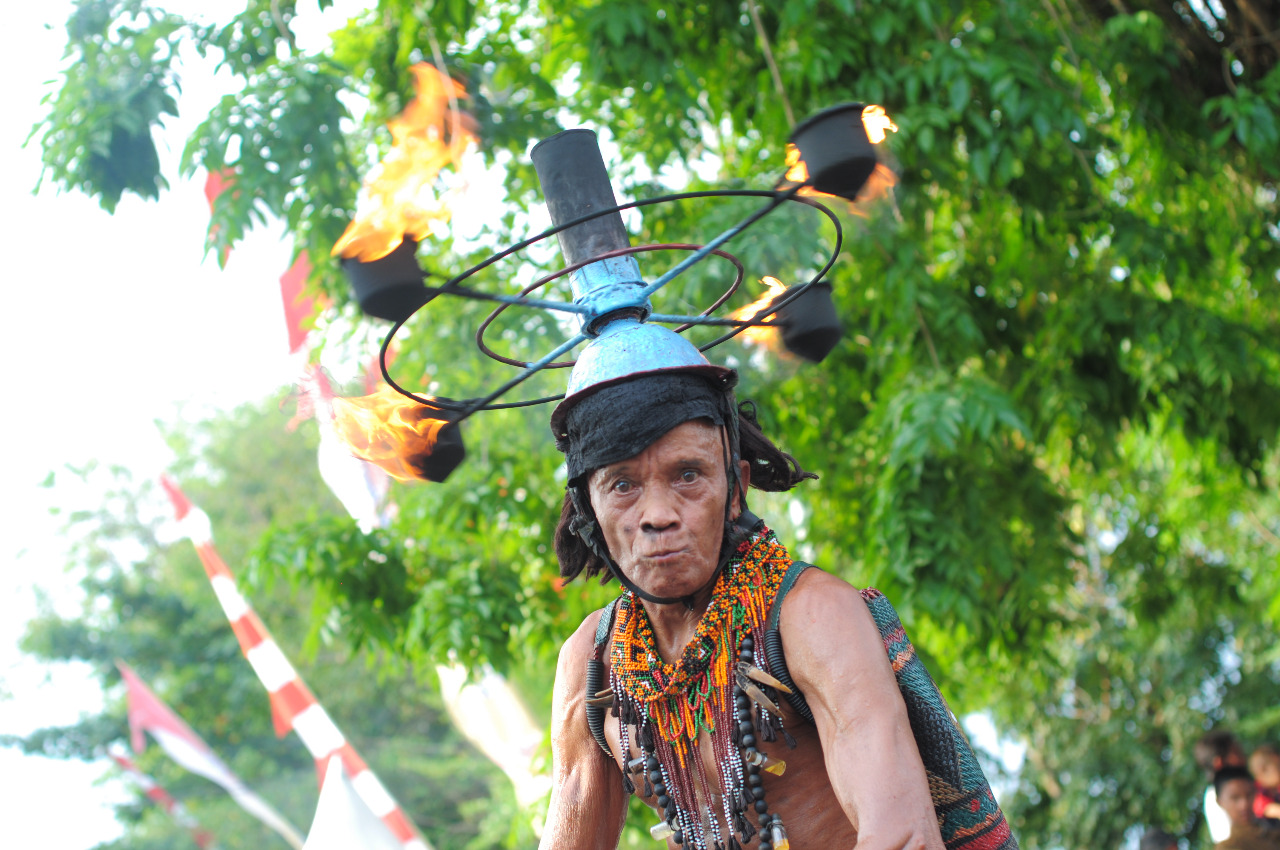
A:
810	326
445	456
835	149
389	287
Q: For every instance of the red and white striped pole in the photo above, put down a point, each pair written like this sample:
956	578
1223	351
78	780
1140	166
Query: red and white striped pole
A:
162	798
293	706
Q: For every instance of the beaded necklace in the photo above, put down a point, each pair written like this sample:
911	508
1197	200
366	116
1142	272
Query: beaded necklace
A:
714	683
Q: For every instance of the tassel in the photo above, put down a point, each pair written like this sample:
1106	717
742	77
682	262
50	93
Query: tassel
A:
743	827
733	844
791	742
767	733
627	784
746	801
646	737
648	788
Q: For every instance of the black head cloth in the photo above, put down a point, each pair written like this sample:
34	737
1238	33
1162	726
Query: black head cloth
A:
621	420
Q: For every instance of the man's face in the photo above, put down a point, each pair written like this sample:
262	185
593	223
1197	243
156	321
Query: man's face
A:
662	511
1236	800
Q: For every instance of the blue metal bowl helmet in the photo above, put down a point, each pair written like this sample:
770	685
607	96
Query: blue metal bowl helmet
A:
628	348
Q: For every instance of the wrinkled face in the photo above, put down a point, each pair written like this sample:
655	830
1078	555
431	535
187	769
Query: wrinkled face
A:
1236	800
662	511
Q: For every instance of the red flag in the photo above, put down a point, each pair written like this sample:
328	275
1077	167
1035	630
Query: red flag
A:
161	797
298	308
148	714
181	505
214	185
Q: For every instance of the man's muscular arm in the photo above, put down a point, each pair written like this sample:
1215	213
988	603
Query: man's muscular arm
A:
836	657
588	804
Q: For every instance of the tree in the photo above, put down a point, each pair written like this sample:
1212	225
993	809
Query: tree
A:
148	602
1050	434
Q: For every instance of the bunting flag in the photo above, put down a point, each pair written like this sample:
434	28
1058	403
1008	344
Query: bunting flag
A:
360	486
343	820
214	185
293	706
148	714
299	307
161	798
491	715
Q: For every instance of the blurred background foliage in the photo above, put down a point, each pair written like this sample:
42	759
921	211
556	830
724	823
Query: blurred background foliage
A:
1049	434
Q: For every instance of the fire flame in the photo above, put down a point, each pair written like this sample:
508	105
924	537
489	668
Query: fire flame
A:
398	196
878	125
387	429
766	337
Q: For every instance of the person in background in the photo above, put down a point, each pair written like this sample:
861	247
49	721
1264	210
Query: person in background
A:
1157	839
1213	752
1234	789
1264	764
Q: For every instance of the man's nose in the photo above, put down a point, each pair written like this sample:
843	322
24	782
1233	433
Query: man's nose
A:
658	509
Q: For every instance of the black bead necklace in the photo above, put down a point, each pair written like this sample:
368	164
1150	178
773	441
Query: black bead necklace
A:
773	835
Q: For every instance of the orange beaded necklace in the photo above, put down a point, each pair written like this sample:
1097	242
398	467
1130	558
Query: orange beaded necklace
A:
670	705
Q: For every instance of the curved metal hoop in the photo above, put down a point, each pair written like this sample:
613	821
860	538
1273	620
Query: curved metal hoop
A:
453	287
634	249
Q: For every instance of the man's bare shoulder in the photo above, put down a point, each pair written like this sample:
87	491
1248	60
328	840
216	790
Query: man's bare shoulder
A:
569	695
571	667
821	599
828	633
581	644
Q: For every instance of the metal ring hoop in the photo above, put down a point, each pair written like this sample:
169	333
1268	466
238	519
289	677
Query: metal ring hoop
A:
621	252
464	405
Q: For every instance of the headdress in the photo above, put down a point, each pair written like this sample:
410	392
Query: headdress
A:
635	380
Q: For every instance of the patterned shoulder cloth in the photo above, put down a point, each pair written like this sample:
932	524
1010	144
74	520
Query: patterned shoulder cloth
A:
968	815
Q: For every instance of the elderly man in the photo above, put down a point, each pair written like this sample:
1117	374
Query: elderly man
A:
669	693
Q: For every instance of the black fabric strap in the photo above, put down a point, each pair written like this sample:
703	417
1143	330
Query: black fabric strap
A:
773	642
788	581
605	626
595	676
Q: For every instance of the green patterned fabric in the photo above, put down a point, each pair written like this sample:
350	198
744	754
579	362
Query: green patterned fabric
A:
968	815
967	811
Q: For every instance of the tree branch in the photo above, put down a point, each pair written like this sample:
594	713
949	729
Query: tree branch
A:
768	58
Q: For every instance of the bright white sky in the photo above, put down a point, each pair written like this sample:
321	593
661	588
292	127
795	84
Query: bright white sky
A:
117	321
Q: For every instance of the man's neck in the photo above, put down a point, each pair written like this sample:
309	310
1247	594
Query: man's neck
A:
675	625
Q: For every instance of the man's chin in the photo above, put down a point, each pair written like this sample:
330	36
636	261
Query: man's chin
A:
669	582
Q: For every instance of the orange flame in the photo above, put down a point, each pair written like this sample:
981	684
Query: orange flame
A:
387	429
878	125
766	337
399	198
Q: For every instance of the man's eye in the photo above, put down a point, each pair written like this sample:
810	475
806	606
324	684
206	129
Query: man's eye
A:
622	486
689	476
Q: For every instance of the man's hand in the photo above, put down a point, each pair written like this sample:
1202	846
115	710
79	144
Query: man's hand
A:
836	657
588	804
